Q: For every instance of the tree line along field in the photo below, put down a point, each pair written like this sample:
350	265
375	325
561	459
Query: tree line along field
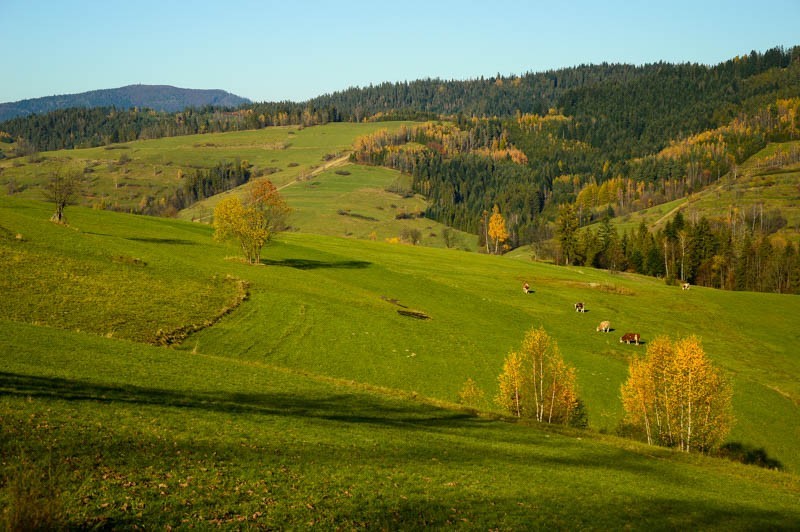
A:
254	417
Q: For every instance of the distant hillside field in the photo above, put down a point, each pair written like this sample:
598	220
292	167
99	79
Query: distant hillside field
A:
156	97
309	165
122	176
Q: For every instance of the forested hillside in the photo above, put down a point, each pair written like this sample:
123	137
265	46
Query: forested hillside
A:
157	97
632	102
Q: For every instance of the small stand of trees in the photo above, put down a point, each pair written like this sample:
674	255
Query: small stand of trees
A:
741	252
536	382
254	222
674	397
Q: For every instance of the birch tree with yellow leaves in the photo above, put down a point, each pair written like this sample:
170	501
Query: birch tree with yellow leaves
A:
677	397
511	382
537	383
497	229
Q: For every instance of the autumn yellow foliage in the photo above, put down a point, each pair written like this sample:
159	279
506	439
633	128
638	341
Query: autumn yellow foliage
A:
536	382
677	398
497	229
251	224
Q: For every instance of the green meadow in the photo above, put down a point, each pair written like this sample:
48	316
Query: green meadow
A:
314	402
357	201
120	175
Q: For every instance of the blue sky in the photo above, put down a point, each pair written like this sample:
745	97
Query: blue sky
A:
295	50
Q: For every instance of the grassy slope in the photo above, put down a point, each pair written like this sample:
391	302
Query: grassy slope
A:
320	306
154	165
331	319
117	276
134	434
138	435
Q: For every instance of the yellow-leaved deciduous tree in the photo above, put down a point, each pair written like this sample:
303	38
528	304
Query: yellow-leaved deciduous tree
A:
511	383
470	394
497	229
253	223
677	397
537	383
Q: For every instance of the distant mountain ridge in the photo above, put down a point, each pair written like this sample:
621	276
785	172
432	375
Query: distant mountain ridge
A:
158	97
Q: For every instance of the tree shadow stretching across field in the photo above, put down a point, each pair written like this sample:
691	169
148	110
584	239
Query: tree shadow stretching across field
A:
359	408
309	264
356	408
346	408
153	240
343	407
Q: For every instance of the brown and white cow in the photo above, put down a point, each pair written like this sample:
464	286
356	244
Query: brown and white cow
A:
685	286
604	326
630	338
579	307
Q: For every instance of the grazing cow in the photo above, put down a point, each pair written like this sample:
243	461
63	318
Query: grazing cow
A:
685	286
630	337
579	307
604	326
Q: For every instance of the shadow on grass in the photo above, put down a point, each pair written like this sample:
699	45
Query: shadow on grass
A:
173	241
347	408
308	264
747	454
356	408
424	455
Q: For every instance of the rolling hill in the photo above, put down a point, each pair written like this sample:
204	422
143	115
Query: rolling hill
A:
315	402
760	186
156	97
309	165
295	394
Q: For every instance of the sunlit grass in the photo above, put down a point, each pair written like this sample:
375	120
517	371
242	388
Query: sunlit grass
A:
153	437
120	175
316	402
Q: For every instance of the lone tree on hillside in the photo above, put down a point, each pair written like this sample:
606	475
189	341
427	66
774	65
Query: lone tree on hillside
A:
497	229
677	398
62	189
254	222
537	383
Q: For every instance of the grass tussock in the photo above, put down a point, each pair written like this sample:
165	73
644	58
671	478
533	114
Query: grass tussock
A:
33	497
